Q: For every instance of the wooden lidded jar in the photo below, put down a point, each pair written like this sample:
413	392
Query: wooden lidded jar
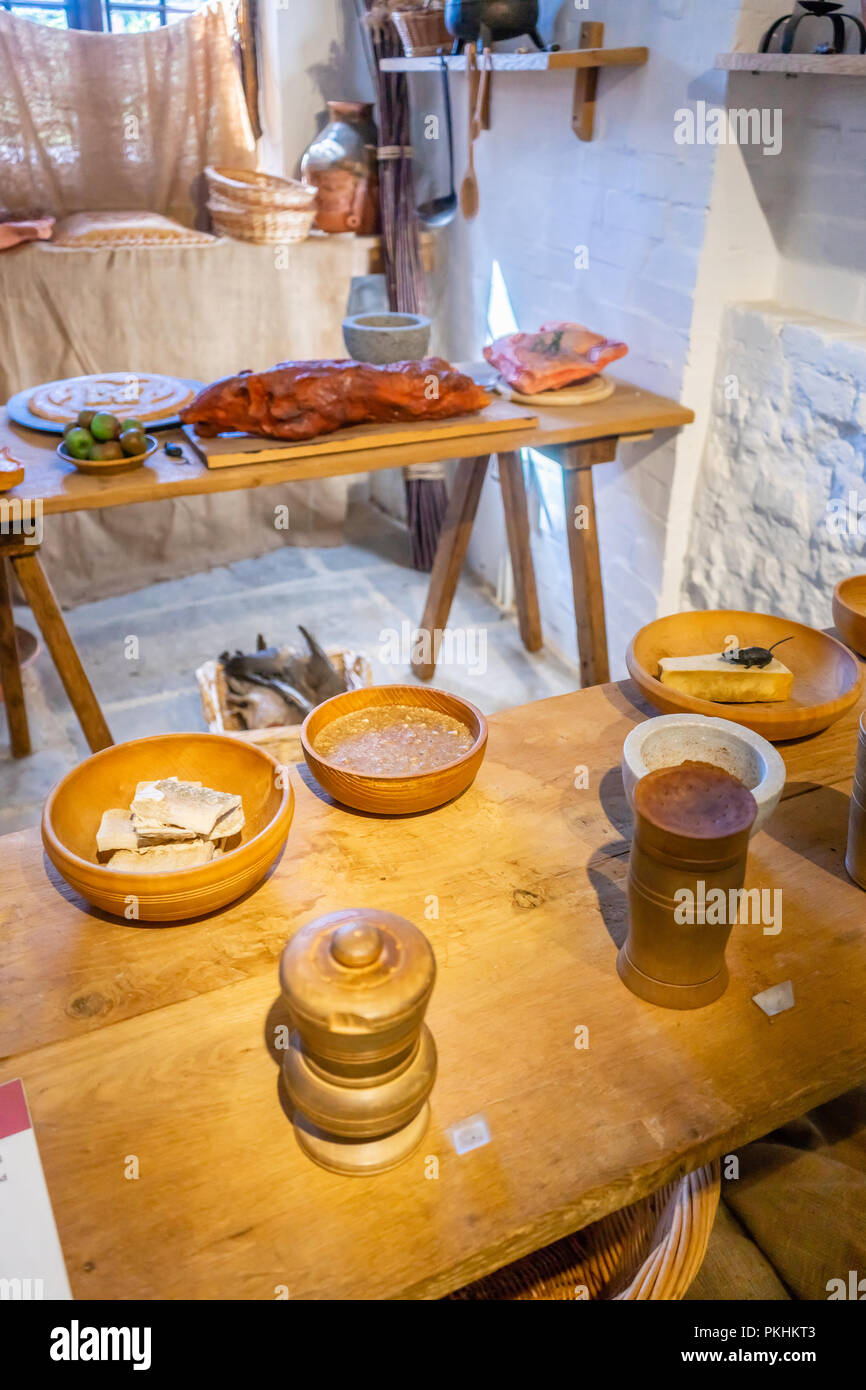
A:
361	1062
692	826
855	858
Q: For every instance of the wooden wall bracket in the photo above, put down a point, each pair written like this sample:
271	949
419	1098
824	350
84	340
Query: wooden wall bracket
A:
585	61
586	78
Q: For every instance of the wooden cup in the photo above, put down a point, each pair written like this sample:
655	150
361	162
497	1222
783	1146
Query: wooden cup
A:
692	826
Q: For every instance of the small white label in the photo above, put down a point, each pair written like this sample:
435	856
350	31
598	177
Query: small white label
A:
776	999
469	1134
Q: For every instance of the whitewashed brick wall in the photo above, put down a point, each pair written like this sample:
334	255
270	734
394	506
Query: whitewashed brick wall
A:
792	442
639	202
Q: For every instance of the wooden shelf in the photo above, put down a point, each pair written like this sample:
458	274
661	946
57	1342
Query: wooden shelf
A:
824	64
585	62
528	62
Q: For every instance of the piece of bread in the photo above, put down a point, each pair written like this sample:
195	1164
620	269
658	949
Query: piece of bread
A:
229	824
711	677
153	833
116	831
183	804
162	859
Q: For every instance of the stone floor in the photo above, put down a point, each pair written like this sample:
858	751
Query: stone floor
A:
363	593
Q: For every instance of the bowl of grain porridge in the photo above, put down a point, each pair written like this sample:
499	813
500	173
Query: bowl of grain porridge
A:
394	749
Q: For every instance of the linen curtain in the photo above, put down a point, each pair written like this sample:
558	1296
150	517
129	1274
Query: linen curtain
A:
92	121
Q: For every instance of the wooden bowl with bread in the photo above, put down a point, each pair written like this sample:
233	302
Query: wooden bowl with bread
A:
394	749
811	679
849	612
197	872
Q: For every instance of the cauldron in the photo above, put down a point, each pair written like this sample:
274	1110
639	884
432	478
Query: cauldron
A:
485	21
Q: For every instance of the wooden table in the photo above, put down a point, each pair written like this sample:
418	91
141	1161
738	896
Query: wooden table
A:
587	435
157	1042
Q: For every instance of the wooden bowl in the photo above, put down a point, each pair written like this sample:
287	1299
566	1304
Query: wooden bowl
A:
11	477
827	677
108	779
104	467
395	796
849	611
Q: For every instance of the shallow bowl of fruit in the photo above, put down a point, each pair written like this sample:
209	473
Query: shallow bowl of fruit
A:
100	443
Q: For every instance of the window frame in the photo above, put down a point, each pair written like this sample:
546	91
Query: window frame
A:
95	15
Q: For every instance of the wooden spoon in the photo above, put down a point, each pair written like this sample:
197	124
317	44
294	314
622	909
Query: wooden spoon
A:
478	88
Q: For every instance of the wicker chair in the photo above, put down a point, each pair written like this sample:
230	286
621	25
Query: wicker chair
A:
652	1250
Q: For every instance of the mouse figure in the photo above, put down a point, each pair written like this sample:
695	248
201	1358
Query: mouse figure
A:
486	21
753	656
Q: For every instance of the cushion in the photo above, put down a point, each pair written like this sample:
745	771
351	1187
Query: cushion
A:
97	230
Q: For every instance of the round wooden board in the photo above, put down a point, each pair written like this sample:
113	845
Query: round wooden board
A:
588	392
17	408
827	678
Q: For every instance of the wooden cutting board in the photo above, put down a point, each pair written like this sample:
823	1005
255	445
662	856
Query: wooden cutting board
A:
230	450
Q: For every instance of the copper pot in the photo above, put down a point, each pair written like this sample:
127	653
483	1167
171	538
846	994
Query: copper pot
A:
691	837
361	1062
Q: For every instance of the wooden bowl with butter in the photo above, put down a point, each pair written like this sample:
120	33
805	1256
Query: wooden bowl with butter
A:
849	612
75	808
826	677
394	749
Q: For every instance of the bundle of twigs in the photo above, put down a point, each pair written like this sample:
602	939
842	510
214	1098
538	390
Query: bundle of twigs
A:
426	495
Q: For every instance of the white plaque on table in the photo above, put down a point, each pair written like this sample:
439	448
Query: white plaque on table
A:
31	1260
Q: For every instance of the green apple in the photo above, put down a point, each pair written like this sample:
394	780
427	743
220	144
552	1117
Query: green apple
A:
79	443
104	427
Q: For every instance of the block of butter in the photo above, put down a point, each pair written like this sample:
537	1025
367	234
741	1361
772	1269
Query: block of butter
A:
711	677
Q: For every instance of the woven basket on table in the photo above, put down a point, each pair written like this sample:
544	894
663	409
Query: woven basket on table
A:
262	208
247	188
265	227
422	32
652	1250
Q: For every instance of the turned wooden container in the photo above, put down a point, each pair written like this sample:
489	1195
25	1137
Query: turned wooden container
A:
692	826
361	1062
855	859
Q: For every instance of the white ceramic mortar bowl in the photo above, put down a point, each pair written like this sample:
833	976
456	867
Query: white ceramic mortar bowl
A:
672	739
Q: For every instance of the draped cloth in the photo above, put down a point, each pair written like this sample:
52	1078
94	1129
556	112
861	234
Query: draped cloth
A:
792	1224
92	121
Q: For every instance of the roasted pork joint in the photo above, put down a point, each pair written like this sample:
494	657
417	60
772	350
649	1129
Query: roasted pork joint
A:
299	400
558	355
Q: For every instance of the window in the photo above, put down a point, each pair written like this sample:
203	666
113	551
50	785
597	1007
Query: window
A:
106	15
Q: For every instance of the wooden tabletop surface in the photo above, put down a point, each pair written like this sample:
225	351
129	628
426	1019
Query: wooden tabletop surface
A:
61	488
154	1042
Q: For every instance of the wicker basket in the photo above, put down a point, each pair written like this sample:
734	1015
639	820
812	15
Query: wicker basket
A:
246	188
262	208
422	32
265	227
652	1250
